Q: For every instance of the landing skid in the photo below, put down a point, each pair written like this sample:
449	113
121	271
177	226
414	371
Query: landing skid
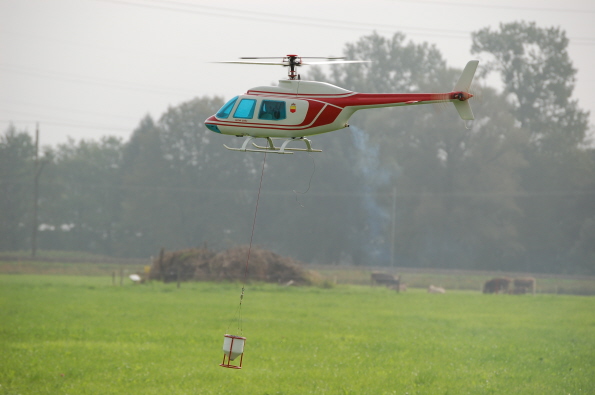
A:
270	147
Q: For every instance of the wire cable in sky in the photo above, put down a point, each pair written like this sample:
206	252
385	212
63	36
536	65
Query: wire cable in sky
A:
193	8
69	111
91	80
67	124
280	19
476	4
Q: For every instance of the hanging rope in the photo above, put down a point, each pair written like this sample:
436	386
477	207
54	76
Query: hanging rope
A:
309	183
239	310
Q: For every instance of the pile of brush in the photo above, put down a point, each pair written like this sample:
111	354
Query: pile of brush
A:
202	264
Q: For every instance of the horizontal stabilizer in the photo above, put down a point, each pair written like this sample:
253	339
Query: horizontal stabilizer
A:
464	109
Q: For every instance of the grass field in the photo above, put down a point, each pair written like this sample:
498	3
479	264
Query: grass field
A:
78	264
81	335
468	280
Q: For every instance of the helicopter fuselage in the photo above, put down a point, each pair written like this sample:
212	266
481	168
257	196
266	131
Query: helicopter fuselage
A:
298	108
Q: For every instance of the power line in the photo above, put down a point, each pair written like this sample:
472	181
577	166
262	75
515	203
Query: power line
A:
496	6
325	23
91	80
216	191
128	51
289	19
67	124
70	111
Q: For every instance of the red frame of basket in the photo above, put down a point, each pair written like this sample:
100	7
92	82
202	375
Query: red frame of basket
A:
228	364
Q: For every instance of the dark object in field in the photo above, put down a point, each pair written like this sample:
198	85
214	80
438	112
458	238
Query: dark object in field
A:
497	285
179	265
524	285
389	280
503	285
202	264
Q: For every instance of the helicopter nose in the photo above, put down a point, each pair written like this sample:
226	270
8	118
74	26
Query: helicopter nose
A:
212	127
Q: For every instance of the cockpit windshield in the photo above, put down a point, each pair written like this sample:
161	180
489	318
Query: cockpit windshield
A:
245	109
224	112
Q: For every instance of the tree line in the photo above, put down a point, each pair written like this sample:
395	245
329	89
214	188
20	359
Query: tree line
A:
408	187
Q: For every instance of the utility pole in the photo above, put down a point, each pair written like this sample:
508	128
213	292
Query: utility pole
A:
392	234
37	172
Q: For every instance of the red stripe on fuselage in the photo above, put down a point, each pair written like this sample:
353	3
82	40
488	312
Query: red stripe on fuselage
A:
322	114
382	99
324	108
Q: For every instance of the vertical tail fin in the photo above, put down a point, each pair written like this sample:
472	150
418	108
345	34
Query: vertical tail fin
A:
463	85
464	82
464	110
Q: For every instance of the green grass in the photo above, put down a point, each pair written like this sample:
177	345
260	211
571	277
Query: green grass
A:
70	268
81	335
68	263
467	280
57	255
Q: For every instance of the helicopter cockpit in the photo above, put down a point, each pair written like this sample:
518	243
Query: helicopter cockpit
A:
271	110
224	112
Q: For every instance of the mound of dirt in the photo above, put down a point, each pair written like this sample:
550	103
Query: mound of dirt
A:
229	265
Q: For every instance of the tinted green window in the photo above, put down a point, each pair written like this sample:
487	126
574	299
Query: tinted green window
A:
226	109
272	109
245	109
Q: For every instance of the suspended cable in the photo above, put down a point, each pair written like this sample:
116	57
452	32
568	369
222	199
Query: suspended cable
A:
309	183
239	310
233	345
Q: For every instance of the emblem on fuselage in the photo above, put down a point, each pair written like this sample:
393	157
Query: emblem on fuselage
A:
292	108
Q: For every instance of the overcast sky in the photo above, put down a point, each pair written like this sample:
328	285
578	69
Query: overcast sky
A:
90	68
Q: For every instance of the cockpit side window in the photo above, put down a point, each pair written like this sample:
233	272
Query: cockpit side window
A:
245	109
272	110
224	112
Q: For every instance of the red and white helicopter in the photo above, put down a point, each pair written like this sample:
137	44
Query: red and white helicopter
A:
297	108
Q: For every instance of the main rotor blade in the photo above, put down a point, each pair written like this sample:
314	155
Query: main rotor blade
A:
336	62
297	64
300	57
264	63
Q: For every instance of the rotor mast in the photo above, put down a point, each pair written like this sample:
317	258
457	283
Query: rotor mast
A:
293	61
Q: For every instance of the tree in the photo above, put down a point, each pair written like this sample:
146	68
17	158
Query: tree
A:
81	201
456	188
396	66
16	179
145	181
218	190
182	190
538	77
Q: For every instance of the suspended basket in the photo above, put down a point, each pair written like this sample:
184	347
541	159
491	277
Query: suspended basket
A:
233	347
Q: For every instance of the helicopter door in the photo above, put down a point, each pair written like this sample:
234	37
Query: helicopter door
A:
272	110
283	112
